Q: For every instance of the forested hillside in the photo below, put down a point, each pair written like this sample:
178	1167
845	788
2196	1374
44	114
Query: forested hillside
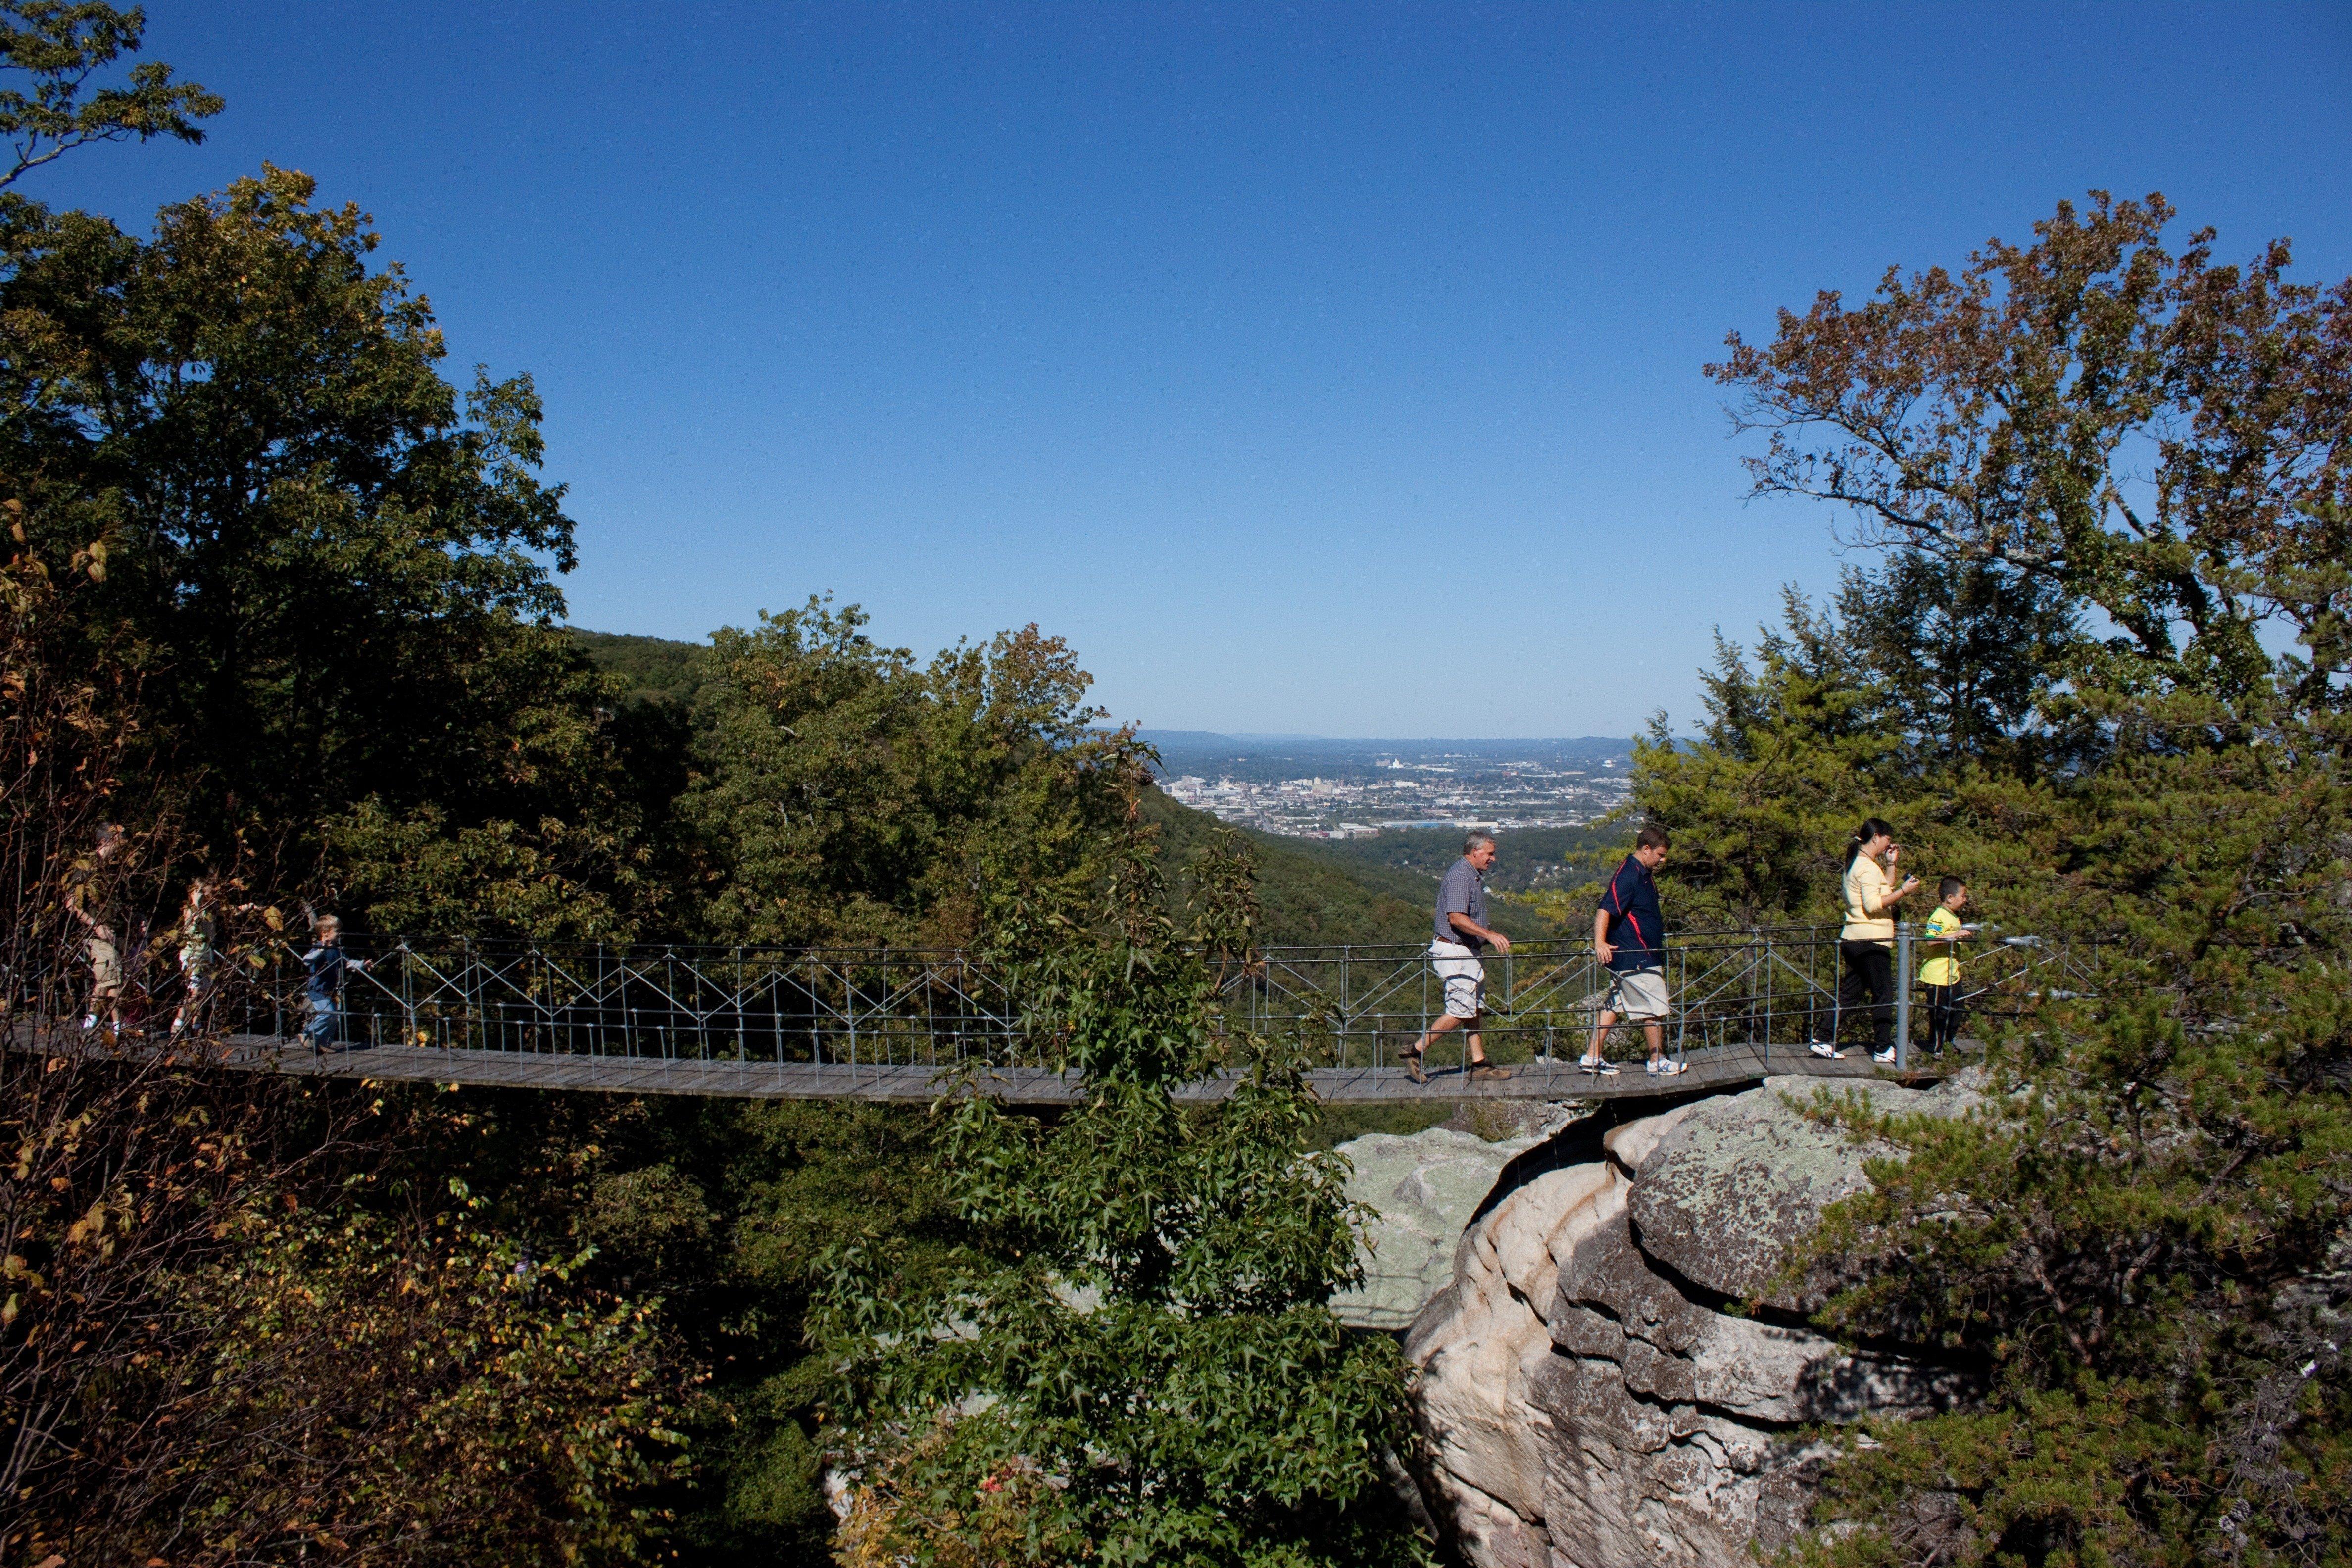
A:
650	669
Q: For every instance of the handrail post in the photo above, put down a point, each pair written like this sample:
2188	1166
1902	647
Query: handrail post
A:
1424	1017
1902	995
1346	952
1510	994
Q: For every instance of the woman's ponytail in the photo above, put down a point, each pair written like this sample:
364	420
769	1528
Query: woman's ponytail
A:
1871	827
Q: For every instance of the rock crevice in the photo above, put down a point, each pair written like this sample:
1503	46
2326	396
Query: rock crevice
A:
1587	1402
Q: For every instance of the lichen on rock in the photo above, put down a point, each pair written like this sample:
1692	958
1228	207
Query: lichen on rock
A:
1425	1188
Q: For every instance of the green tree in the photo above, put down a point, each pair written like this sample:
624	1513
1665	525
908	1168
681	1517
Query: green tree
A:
335	568
2161	437
1131	1359
391	1393
843	793
1974	656
230	1331
1794	750
2138	1239
725	1208
60	46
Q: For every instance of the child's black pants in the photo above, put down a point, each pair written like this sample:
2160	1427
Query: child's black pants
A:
1944	1015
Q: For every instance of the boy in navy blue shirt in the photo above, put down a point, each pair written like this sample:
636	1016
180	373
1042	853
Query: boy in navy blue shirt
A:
1629	935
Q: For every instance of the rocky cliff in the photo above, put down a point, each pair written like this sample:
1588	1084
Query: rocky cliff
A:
1590	1401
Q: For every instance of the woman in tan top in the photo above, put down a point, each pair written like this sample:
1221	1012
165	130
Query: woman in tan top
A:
1867	942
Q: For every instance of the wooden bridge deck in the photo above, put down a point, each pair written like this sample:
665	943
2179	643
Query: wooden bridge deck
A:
1717	1067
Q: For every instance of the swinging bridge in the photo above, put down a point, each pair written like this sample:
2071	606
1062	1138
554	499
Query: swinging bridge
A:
910	1026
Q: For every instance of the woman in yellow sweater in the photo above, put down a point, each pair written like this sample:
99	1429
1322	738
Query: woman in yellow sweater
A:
1867	942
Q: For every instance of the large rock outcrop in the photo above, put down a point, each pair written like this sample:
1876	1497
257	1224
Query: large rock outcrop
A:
1589	1403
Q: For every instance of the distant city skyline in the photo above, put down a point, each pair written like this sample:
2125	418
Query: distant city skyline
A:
1365	789
1252	738
1315	370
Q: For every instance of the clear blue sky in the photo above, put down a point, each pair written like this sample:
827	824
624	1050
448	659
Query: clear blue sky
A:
1315	368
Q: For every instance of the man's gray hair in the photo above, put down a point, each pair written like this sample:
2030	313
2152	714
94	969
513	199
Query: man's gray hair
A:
1478	835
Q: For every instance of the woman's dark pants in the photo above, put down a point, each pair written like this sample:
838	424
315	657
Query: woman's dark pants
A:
1869	979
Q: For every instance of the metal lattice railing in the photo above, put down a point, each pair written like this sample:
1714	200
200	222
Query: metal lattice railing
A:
1759	987
1360	1006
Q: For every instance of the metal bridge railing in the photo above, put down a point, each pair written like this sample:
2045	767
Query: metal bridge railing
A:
1746	988
885	1007
1359	1005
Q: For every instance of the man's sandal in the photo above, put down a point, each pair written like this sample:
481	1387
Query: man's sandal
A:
1488	1072
1413	1064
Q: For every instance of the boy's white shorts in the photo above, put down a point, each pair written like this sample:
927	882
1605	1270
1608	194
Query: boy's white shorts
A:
1639	993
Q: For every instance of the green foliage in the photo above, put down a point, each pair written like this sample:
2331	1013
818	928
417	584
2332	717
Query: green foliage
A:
797	1179
320	581
331	563
1973	655
2010	416
319	587
1382	889
1346	1121
725	1209
2137	1244
651	670
60	46
2140	1240
1795	751
230	1336
1529	857
844	794
1131	1358
416	1396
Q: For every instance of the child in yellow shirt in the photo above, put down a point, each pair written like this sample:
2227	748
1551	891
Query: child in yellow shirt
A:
1941	973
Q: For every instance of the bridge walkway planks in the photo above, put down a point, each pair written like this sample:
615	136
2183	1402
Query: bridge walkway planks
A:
1719	1066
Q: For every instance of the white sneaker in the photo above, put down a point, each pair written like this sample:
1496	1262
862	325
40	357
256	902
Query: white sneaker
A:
1651	1067
1885	1056
90	1022
1823	1049
1605	1068
1668	1067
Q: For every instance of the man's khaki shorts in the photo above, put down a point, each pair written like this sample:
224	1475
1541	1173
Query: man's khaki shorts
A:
1465	977
105	968
1639	993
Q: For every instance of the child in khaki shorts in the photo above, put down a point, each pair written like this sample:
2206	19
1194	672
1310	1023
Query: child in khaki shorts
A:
105	978
87	898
